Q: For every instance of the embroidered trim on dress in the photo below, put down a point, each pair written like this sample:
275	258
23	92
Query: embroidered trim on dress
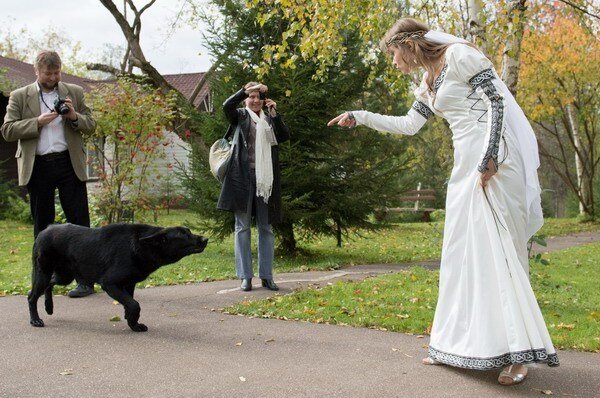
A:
527	356
483	80
486	74
423	109
440	79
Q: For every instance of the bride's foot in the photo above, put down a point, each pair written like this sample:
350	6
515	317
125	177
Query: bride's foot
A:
430	361
513	374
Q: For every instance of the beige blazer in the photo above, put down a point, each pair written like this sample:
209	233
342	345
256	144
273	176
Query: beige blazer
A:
20	123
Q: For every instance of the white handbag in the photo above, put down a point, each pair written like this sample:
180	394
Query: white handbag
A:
220	155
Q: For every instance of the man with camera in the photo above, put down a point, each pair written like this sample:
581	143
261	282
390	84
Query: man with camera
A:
48	118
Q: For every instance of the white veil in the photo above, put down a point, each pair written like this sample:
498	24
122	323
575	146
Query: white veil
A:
520	127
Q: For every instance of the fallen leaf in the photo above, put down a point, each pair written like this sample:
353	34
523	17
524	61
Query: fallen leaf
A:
595	314
66	372
410	356
547	392
569	326
242	378
115	302
238	344
115	318
420	336
269	340
394	349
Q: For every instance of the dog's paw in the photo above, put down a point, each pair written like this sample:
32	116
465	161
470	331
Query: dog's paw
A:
49	308
38	323
140	327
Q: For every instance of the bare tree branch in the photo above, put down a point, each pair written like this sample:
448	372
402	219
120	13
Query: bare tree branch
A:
104	68
583	10
131	33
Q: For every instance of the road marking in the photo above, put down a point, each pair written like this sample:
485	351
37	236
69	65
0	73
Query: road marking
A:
319	279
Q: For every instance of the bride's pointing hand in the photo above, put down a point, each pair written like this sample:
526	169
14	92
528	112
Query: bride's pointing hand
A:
345	120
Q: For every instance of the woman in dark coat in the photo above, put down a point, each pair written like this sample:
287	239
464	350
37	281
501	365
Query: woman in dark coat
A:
252	185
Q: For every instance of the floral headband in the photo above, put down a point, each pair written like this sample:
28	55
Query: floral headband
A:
402	37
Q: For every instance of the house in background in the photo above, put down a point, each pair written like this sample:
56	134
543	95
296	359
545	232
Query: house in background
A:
19	74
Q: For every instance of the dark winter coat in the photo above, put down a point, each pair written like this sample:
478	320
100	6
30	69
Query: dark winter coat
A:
236	185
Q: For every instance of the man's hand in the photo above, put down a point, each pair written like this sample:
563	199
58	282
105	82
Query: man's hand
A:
72	115
486	175
45	118
344	120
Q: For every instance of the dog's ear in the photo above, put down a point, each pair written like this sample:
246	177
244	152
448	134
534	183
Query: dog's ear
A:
157	238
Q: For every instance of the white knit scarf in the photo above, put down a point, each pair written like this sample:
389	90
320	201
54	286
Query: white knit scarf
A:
264	163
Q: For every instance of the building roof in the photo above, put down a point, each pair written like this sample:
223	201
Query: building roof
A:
186	83
21	74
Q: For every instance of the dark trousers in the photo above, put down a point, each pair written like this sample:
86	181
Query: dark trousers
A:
51	172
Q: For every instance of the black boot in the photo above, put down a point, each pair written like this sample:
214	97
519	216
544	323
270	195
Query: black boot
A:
246	285
270	284
81	290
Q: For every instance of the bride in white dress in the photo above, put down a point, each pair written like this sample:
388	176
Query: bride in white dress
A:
487	316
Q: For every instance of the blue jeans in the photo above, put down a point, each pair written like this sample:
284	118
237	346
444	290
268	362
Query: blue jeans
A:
266	239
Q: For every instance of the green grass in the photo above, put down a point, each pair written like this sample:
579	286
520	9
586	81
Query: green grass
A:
396	243
567	291
408	242
564	226
402	302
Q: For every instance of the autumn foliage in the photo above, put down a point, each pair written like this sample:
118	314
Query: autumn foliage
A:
130	134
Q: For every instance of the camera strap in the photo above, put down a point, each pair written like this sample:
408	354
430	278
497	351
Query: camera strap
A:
42	98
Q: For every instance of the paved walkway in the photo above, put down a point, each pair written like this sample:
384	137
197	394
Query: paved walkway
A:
194	350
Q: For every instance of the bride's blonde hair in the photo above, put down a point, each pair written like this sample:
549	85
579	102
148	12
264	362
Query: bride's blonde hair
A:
408	35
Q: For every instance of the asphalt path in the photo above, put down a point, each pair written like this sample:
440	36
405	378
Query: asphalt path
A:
192	349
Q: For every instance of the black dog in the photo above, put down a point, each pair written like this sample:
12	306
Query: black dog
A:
115	256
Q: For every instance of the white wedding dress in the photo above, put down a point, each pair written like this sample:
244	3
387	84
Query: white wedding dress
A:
487	316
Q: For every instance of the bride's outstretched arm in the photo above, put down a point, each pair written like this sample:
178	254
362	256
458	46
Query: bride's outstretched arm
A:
407	125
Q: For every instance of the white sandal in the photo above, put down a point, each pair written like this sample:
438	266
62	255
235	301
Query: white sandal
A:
509	377
430	361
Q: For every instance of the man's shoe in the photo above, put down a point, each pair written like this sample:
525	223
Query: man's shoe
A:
81	291
270	284
246	285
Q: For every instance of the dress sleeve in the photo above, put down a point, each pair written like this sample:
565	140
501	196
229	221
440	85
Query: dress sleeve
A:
410	124
478	71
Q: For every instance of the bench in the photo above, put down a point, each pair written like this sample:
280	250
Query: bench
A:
416	198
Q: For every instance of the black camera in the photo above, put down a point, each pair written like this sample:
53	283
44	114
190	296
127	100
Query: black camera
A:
262	96
61	107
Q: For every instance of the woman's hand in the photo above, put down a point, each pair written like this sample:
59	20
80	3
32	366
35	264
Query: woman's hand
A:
269	103
486	175
260	87
271	106
345	120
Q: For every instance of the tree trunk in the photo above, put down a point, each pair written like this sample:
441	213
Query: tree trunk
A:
583	184
132	35
512	50
338	233
477	25
287	243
